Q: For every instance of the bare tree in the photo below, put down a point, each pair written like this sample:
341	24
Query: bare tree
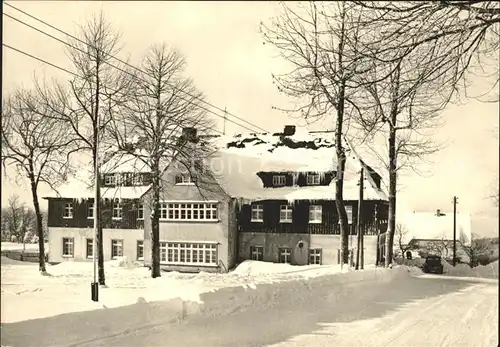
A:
465	35
319	41
403	244
162	102
475	250
93	96
14	217
34	145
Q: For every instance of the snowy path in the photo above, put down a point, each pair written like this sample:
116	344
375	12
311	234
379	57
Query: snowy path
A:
409	312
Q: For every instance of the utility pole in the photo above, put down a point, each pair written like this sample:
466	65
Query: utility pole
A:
377	261
455	199
359	252
95	285
224	124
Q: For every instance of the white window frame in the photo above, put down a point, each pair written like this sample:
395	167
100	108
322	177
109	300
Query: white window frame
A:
258	209
286	212
119	179
315	254
313	179
279	180
186	180
110	179
348	211
257	252
287	254
68	210
87	255
117	210
116	244
140	210
70	242
189	211
137	180
90	210
314	210
185	253
140	245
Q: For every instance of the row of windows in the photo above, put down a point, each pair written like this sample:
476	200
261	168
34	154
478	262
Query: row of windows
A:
119	179
170	253
312	179
285	255
168	211
315	213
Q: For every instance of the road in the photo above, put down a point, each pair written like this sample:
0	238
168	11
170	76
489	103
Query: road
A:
410	312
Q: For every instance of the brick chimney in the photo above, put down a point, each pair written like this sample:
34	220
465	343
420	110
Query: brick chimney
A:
289	130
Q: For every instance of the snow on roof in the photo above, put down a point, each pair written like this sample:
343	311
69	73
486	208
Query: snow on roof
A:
301	152
430	226
237	174
81	186
124	163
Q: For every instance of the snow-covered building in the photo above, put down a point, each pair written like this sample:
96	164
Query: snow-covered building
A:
267	197
285	183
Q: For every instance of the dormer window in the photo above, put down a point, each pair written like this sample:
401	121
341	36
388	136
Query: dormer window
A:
109	180
313	179
184	180
279	180
137	180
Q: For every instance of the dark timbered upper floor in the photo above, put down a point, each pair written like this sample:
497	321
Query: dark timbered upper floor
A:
310	217
126	179
290	179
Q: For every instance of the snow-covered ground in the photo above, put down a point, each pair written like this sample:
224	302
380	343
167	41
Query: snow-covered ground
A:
68	284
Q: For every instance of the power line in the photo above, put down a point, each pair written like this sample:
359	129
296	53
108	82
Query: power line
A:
65	70
124	71
123	62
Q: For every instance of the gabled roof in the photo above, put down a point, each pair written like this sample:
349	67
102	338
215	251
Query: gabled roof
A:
301	152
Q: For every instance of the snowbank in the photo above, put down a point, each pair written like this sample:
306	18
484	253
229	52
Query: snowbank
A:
463	270
67	288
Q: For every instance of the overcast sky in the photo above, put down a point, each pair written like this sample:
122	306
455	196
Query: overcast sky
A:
229	63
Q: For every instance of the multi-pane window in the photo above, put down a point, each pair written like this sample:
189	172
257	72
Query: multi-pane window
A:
116	249
257	253
137	180
188	253
68	247
279	180
285	214
315	212
68	210
140	250
184	179
285	255
140	211
315	256
119	179
109	180
348	211
257	213
90	248
189	211
117	209
313	179
90	210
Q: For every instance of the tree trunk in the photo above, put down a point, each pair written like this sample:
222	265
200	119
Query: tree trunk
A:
155	223
39	227
391	227
339	183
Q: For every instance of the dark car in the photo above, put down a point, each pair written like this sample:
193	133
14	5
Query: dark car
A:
433	264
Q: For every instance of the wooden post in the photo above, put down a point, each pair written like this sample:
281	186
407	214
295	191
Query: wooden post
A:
454	230
360	201
377	261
